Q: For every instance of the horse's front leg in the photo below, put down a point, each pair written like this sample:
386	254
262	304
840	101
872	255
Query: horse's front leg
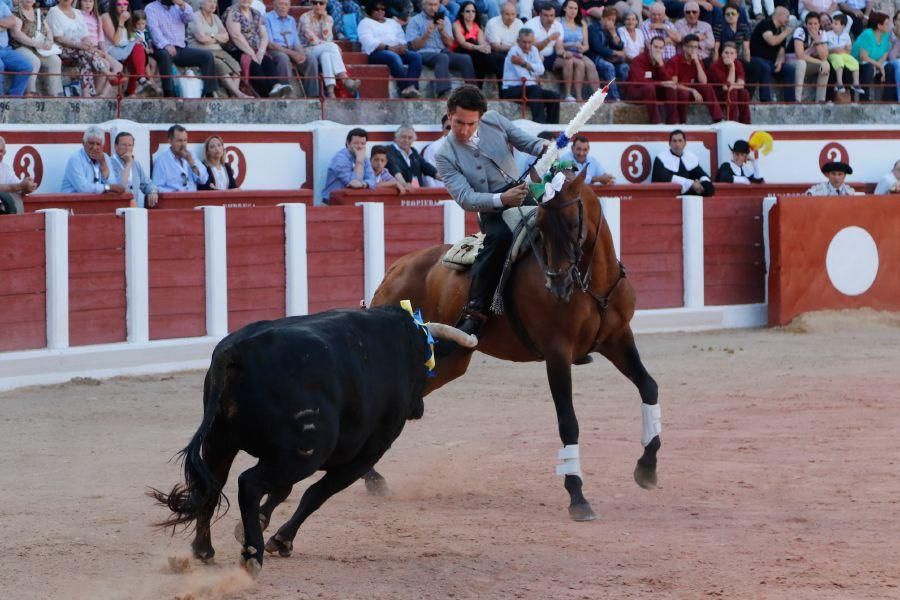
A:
559	374
623	353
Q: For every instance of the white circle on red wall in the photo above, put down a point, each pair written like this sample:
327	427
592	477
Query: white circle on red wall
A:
852	261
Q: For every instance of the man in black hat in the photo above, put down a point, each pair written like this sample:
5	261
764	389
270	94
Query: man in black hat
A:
836	172
741	168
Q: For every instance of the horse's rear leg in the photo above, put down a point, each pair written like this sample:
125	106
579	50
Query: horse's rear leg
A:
623	353
559	374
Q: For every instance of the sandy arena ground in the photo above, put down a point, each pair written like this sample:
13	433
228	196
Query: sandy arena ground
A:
778	479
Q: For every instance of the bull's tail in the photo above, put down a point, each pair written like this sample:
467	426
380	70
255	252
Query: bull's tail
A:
201	491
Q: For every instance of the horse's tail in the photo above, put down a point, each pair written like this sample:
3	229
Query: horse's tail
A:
201	491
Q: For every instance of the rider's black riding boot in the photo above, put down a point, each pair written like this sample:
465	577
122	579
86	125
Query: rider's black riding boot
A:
473	317
486	272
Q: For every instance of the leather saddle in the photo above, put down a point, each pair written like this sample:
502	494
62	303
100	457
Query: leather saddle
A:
461	256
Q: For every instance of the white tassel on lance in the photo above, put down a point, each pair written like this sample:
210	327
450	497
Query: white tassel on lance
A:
585	113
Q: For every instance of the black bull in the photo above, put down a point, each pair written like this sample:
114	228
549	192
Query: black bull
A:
327	392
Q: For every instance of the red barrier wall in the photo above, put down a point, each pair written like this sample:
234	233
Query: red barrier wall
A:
233	198
256	270
652	250
734	257
96	279
78	204
389	196
23	283
801	233
177	274
334	240
408	228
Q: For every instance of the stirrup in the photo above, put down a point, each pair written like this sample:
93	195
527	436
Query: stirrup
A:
471	321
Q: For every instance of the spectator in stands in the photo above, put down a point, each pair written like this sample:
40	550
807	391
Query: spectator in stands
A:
249	43
607	51
404	161
207	32
385	43
894	55
727	78
286	50
127	51
11	187
681	166
688	77
468	39
89	170
807	52
767	51
548	36
733	29
764	8
77	49
339	10
502	32
429	33
855	10
742	168
691	24
871	50
175	170
10	60
574	47
580	154
350	168
317	36
659	26
889	184
33	40
167	20
137	31
129	173
839	57
836	172
91	14
524	62
383	178
829	7
432	149
633	40
647	82
219	175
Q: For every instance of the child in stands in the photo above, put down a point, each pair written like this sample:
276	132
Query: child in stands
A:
839	45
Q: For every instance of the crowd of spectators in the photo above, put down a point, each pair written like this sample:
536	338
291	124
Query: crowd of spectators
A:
723	54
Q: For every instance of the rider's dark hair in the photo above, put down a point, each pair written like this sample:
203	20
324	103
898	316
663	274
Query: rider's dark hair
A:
467	97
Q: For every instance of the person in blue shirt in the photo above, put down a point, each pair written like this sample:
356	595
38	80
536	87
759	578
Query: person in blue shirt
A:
429	34
350	168
130	174
285	48
10	60
89	170
581	156
175	170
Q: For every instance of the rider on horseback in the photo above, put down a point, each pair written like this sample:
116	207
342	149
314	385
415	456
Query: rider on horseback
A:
476	164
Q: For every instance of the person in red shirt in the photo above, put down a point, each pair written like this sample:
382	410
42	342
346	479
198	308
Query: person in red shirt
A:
688	81
727	78
646	77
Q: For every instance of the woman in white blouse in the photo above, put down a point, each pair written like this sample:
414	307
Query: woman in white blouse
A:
632	36
79	49
221	177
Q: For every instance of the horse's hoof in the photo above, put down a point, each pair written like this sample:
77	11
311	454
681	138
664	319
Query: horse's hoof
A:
645	476
377	486
582	512
276	544
252	566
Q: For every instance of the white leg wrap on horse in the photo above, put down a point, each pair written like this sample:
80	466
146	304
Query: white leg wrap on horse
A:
652	424
570	465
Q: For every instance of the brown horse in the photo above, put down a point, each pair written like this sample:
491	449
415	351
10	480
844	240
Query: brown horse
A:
563	302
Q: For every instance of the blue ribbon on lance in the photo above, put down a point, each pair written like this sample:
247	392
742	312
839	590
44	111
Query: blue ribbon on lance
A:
562	141
420	323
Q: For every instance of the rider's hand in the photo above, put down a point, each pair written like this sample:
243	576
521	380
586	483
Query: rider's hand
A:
514	196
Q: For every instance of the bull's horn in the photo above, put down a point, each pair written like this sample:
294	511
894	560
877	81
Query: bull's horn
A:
447	332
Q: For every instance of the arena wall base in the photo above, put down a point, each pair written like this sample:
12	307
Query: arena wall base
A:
667	320
46	367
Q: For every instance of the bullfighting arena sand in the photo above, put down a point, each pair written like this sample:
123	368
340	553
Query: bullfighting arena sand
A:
779	478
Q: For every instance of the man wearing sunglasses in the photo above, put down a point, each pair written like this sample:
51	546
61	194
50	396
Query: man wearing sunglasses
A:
175	170
286	50
692	25
385	43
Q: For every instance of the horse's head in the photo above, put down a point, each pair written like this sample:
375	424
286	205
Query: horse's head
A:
561	223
